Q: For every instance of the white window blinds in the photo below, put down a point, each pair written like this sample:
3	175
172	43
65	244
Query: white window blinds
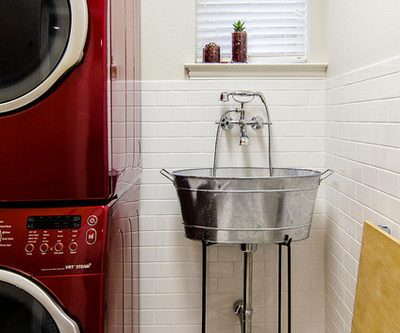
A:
276	29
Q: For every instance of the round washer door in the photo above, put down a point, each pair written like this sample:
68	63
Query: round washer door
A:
25	307
41	40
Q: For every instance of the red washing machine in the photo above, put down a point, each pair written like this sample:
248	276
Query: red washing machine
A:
67	270
70	167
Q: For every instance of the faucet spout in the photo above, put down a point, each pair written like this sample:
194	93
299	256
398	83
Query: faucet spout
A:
244	139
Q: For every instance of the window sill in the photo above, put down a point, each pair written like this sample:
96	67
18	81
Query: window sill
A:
230	70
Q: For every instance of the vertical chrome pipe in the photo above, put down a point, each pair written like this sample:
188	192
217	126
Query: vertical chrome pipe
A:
247	292
215	156
263	100
214	172
247	314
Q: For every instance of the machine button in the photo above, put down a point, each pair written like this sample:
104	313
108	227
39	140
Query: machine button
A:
73	246
29	248
92	220
91	236
44	247
58	247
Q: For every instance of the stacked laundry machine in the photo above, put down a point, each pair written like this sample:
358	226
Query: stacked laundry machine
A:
69	166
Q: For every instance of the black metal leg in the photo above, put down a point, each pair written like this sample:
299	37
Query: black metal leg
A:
204	289
289	285
280	288
286	242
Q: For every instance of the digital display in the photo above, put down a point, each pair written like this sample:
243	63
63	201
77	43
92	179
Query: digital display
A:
54	222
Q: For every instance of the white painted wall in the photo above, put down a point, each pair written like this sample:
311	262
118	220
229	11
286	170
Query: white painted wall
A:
362	140
169	36
361	32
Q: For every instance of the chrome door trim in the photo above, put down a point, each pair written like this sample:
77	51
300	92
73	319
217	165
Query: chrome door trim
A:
64	323
72	55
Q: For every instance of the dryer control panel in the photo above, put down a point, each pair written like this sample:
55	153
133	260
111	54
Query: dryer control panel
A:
56	241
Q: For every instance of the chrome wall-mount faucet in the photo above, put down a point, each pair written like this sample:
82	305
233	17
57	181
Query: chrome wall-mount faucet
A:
227	122
256	122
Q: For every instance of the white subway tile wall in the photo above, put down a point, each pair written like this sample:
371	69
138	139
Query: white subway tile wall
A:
178	132
363	147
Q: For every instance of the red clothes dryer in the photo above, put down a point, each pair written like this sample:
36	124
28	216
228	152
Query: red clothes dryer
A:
55	98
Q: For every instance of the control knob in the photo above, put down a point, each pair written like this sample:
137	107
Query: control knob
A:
29	248
73	246
44	247
58	247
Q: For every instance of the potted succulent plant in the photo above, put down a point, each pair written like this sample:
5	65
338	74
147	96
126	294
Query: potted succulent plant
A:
211	53
239	42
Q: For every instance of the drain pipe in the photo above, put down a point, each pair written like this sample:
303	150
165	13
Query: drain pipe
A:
244	308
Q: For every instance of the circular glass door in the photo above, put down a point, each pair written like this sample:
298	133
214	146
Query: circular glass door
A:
20	312
41	40
26	307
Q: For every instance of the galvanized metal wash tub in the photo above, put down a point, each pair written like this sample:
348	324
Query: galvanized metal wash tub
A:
246	205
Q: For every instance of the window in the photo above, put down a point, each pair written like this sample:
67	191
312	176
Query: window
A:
277	29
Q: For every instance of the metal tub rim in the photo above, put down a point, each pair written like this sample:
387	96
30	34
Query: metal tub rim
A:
308	173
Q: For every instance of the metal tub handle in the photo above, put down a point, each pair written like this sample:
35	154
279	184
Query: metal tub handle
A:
326	174
167	175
